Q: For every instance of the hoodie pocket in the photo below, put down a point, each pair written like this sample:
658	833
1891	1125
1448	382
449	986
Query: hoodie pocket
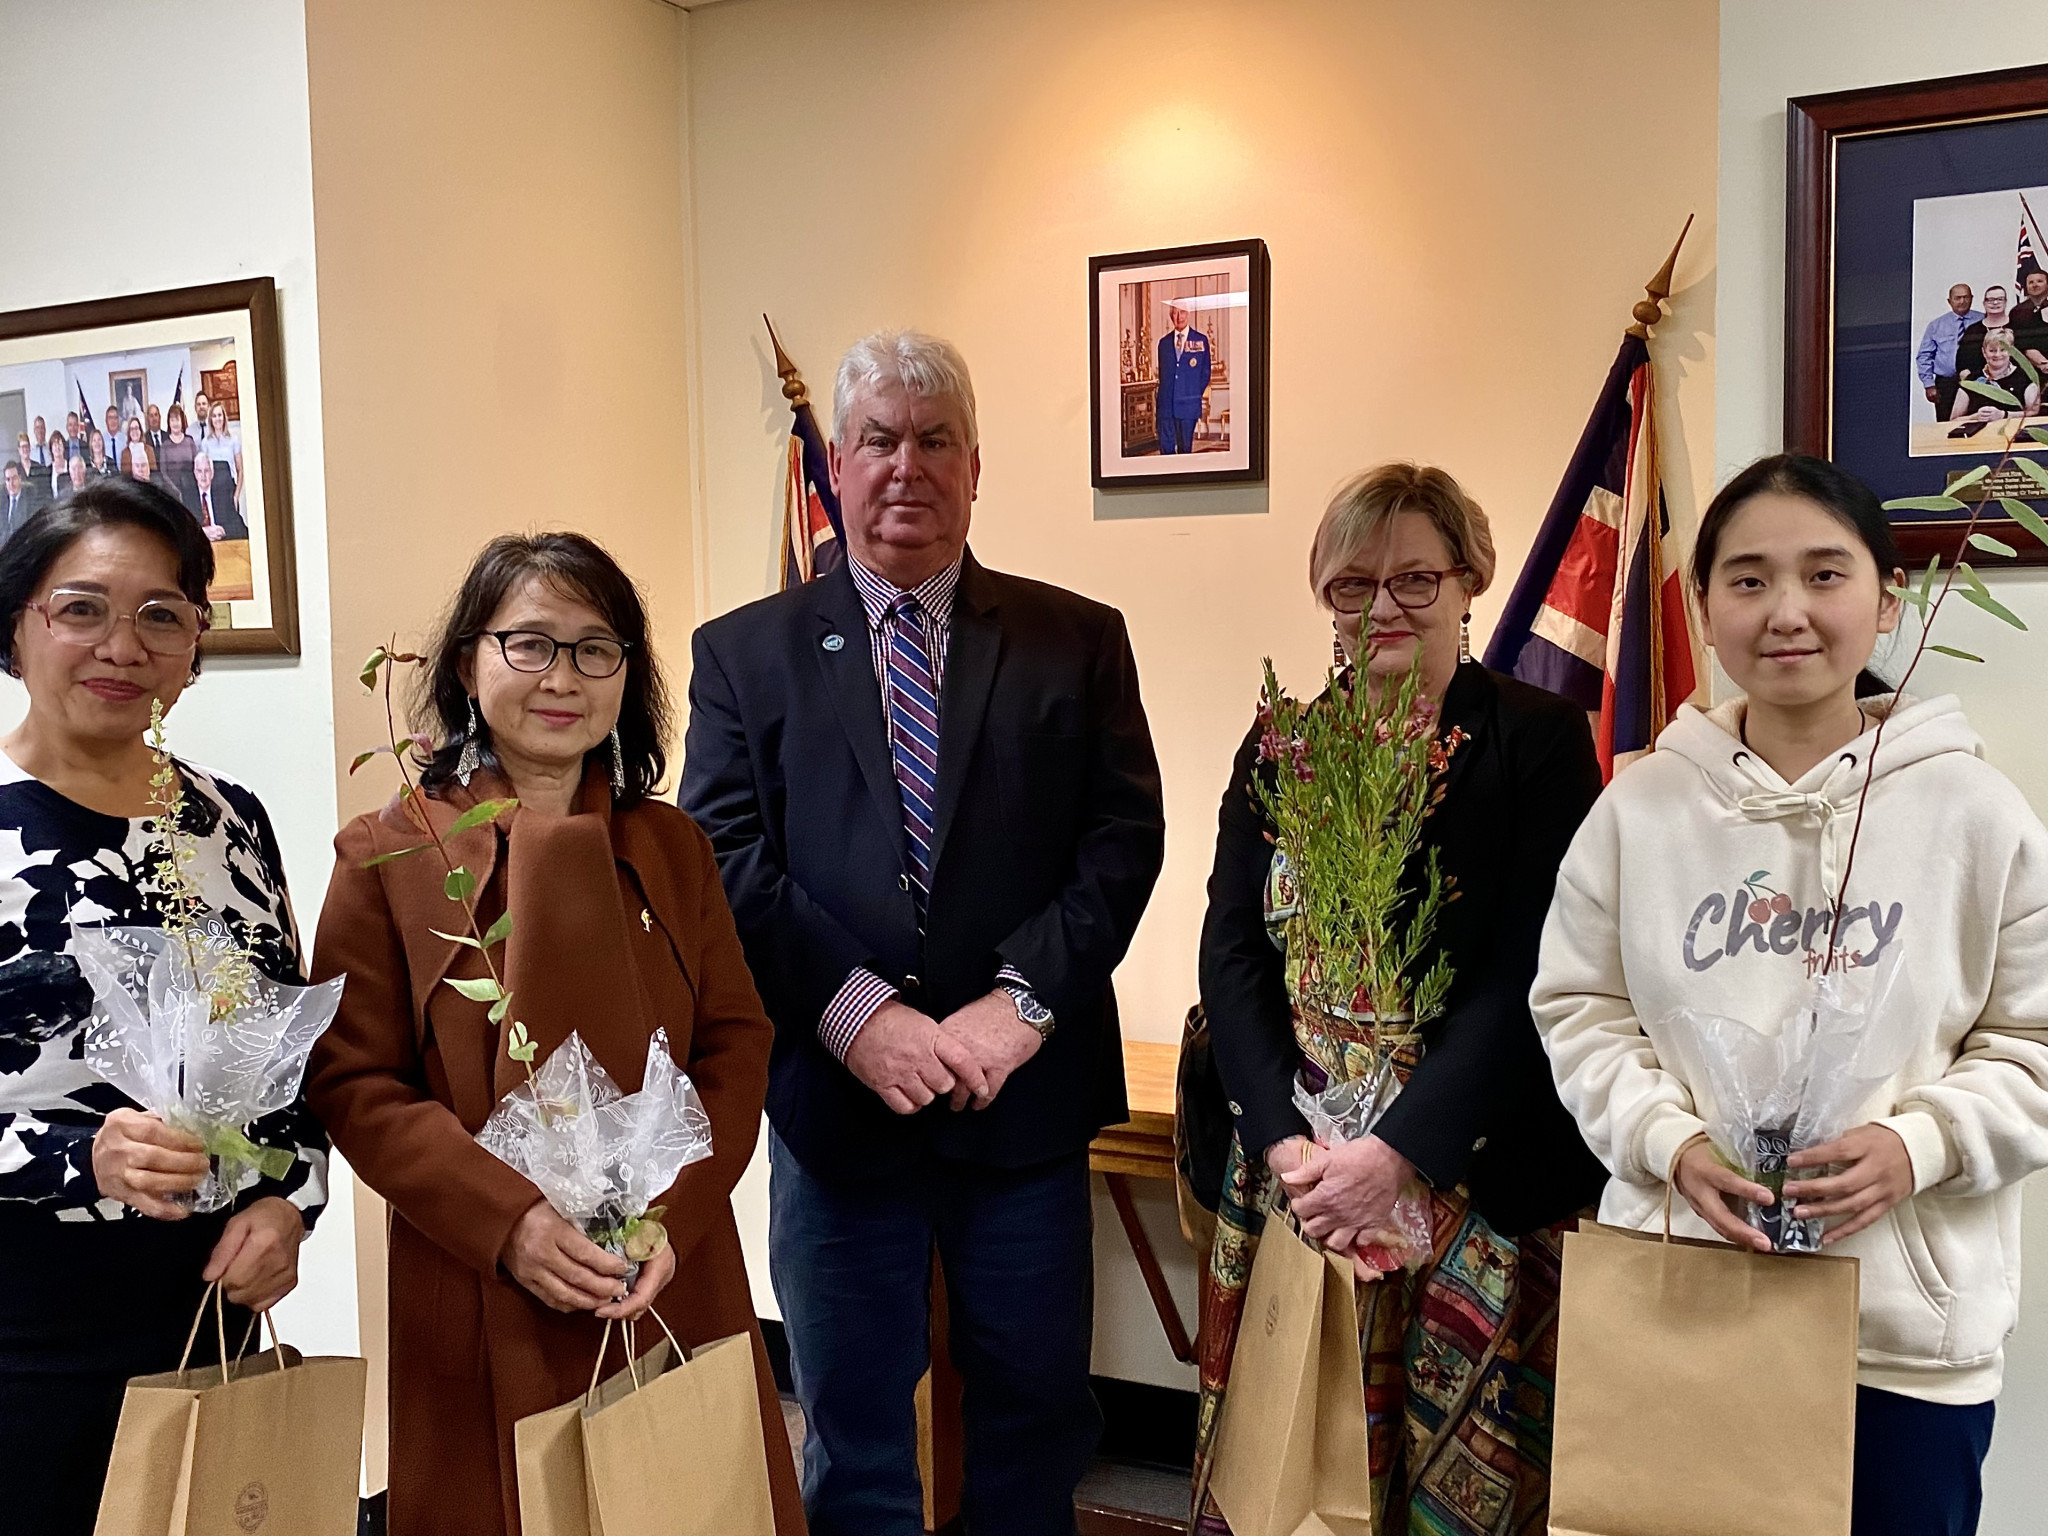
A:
1905	1302
1933	1286
1966	1247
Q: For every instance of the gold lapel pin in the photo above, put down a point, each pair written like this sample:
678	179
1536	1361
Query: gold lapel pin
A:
646	920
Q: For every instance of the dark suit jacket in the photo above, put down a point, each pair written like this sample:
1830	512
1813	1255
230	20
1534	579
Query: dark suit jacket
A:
1048	835
1481	1108
224	511
16	510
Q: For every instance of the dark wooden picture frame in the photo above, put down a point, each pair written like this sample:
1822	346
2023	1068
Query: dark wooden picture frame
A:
261	378
1249	356
1817	131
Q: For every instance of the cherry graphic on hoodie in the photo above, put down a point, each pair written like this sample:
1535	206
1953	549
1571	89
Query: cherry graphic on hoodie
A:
1765	903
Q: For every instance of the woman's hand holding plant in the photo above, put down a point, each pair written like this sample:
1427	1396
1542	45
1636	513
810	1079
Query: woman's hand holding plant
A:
1708	1184
1877	1174
1345	1194
561	1266
140	1161
652	1280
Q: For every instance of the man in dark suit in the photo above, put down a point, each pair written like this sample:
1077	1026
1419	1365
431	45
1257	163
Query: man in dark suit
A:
1184	365
937	812
153	431
213	505
15	503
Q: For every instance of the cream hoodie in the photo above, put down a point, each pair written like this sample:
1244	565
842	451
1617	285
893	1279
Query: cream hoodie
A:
1652	914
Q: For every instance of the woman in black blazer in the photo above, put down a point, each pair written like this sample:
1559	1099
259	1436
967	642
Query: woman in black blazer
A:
1458	1356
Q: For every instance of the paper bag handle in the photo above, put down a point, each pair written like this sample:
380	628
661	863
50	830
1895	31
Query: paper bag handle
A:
214	1294
603	1344
626	1337
682	1350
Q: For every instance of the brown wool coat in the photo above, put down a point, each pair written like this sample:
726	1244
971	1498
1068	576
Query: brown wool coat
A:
619	927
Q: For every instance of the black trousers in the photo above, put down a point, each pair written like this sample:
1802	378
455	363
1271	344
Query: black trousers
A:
1919	1466
83	1307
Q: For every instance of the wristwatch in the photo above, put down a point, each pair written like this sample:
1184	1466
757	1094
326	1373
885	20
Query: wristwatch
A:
1029	1009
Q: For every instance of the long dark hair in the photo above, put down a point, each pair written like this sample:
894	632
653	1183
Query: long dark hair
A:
1834	490
28	554
577	567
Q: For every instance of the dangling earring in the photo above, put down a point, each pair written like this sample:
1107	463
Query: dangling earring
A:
1337	657
1465	639
618	765
472	757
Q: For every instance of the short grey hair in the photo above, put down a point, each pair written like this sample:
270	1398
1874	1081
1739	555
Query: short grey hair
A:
925	367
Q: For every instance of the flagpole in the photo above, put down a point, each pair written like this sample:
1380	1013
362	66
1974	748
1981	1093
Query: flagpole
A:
2040	251
793	389
1650	310
794	392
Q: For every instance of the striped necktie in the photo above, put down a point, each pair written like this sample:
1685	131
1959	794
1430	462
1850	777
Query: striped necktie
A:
914	739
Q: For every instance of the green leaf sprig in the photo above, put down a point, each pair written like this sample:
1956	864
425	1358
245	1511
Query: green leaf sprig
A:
458	883
1354	777
1927	600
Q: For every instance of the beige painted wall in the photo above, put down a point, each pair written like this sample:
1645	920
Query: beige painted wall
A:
498	216
1462	201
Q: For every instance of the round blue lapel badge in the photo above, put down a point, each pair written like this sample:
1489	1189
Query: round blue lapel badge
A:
834	642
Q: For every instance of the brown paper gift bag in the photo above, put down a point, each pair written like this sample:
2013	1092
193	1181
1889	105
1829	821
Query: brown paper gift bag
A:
1291	1457
607	1463
266	1446
1682	1366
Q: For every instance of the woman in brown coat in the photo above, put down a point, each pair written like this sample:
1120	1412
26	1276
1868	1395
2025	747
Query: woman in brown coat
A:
541	686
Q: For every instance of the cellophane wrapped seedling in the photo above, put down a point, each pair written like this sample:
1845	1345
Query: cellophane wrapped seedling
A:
160	1034
1770	1095
599	1155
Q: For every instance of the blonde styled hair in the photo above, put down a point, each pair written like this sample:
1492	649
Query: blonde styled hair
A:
1364	504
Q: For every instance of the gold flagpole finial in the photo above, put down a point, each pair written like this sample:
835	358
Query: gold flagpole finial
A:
792	382
1650	310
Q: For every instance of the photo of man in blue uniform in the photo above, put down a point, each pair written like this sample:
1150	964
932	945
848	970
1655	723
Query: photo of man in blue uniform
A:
1183	380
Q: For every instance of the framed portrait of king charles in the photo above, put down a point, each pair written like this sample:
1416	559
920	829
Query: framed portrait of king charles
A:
1179	342
185	389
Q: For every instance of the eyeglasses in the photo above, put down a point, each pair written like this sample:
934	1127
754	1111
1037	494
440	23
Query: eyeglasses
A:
528	650
1409	589
166	626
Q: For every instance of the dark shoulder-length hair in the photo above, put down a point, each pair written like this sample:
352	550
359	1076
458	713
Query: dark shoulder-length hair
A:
577	567
115	502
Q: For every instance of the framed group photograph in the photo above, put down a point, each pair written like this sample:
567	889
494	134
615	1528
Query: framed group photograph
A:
183	388
1916	291
1178	360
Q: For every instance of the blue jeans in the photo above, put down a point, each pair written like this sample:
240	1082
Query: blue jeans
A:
851	1263
1918	1466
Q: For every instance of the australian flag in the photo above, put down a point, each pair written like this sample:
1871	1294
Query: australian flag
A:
1599	612
813	541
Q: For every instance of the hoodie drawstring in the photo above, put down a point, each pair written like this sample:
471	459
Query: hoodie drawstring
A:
1834	822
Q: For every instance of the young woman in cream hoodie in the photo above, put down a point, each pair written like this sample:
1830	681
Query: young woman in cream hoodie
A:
1705	877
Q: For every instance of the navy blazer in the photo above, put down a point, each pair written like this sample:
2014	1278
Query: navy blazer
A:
1048	835
1481	1109
1183	379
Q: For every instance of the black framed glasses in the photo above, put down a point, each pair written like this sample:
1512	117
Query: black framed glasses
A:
528	650
165	626
1409	589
